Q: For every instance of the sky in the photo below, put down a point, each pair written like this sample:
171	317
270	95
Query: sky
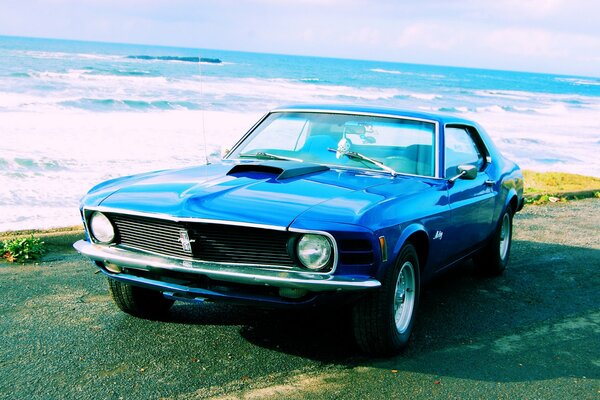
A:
555	36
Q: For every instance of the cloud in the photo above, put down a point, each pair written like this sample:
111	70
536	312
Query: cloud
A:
525	8
429	35
366	35
497	46
543	44
524	42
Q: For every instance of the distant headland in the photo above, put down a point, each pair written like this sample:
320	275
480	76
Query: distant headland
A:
176	58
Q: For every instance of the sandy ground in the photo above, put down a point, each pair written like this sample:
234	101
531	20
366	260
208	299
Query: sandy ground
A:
533	333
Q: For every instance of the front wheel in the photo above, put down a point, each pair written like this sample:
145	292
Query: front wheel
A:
138	301
383	321
493	259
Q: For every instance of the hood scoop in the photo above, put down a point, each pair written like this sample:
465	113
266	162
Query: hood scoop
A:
281	169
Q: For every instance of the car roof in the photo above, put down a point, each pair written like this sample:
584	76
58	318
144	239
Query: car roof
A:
442	119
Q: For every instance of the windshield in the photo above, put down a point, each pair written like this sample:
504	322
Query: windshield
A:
402	145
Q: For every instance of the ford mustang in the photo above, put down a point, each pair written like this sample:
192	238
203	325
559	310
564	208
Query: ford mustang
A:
349	206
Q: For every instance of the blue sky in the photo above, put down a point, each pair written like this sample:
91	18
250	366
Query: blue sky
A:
559	36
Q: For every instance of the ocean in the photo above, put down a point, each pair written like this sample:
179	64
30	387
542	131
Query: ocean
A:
75	113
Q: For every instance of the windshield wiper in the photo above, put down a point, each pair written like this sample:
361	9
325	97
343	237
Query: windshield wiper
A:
353	154
269	156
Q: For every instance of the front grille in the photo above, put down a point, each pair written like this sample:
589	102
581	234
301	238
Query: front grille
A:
209	242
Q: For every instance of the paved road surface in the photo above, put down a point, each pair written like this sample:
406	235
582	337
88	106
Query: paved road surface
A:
533	333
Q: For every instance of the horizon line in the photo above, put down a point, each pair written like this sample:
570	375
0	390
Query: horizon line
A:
298	55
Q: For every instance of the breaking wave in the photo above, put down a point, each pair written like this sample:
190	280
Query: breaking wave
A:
407	73
128	105
580	81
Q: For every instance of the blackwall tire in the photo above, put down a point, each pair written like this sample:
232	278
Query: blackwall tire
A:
493	259
383	321
139	302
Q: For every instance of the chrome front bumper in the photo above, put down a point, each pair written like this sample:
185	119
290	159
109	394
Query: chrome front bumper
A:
226	273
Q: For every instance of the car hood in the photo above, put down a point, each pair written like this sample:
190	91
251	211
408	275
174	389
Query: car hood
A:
270	193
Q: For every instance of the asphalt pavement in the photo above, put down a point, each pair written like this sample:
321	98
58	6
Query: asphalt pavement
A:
533	333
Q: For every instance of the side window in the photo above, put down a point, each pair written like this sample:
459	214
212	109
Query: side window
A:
460	149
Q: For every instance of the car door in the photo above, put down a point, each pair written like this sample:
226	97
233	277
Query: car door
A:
471	201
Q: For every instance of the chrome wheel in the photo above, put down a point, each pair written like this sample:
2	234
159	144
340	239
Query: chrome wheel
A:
504	242
404	297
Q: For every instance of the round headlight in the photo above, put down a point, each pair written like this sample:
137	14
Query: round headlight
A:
101	228
314	251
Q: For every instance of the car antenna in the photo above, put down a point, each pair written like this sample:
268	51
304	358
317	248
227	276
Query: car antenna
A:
202	107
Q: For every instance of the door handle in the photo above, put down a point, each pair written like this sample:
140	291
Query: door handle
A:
490	182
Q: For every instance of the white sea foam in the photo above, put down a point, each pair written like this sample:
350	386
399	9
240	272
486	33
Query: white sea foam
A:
579	81
539	99
286	91
48	160
57	55
505	94
562	140
387	71
424	96
90	80
491	109
396	72
83	84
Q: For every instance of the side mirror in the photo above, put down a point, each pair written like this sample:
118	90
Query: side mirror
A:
465	171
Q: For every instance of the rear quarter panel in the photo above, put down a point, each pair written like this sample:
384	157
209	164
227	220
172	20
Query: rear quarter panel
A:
507	176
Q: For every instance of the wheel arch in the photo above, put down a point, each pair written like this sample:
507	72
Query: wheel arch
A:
416	235
513	202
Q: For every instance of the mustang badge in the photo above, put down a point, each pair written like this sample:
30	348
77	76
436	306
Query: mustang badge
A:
186	242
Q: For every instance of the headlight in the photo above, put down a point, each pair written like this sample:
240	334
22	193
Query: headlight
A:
314	251
101	228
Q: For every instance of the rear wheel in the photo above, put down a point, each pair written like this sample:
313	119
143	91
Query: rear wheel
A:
383	321
493	259
138	301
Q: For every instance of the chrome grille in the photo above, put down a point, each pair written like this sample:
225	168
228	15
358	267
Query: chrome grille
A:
209	242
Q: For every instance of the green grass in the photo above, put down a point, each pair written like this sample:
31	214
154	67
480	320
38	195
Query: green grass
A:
544	187
556	182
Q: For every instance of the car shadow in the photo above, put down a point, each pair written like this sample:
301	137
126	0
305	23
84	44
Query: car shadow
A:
537	321
320	334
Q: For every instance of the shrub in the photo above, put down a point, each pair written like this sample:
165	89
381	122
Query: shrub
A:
22	249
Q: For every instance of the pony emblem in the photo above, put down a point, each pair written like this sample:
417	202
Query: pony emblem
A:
186	242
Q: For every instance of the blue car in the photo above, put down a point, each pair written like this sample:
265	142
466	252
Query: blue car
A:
348	206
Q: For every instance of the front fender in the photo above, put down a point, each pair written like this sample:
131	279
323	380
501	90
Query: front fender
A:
407	233
414	231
